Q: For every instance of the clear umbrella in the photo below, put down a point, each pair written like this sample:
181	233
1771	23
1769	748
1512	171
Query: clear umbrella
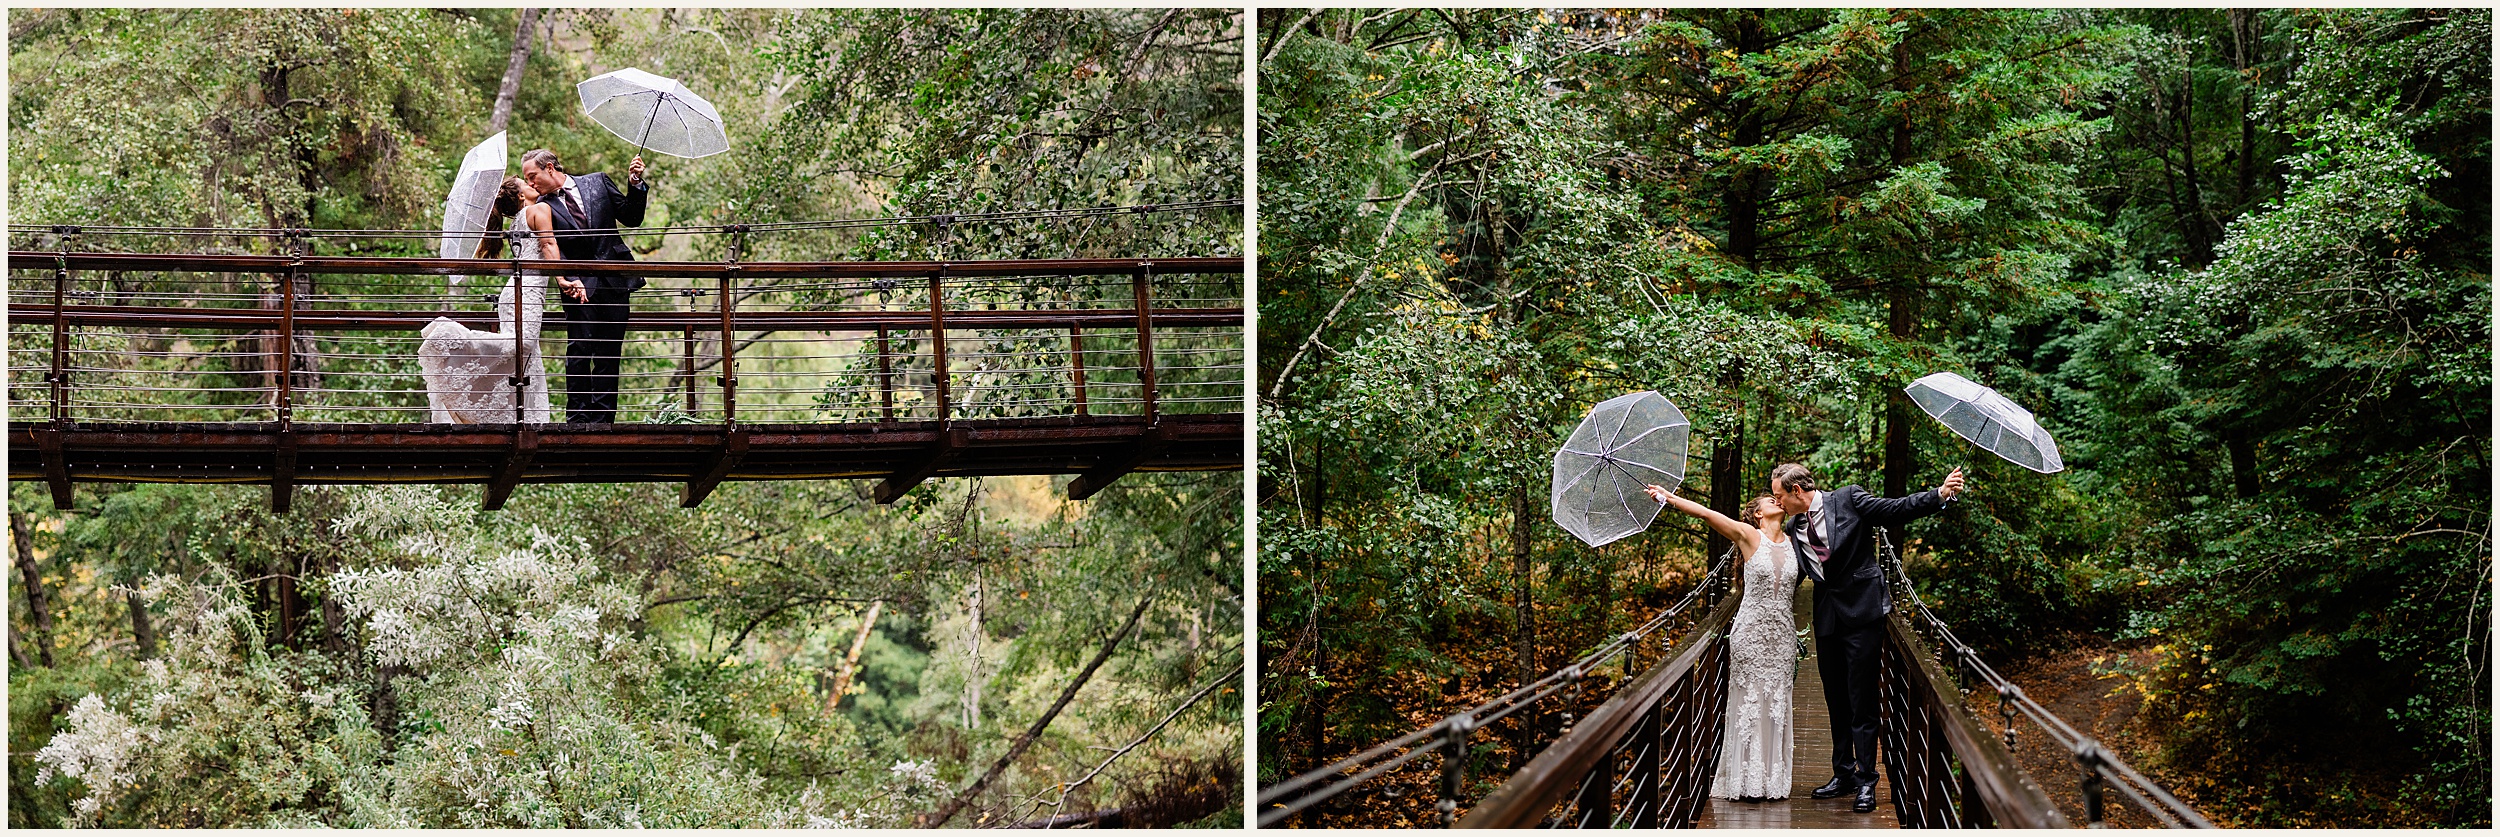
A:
1988	420
654	112
1625	443
472	200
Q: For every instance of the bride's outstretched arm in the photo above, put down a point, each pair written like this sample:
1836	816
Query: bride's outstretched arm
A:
1727	527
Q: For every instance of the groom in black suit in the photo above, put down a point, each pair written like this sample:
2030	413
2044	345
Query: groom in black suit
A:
586	212
1850	601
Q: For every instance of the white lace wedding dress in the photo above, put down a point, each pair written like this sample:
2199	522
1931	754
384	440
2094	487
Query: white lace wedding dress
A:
467	372
1759	738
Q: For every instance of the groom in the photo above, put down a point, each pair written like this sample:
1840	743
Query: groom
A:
586	212
1850	601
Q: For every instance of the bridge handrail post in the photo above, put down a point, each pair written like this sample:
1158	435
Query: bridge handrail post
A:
58	378
1076	364
1453	765
1145	338
295	242
728	330
520	380
2088	757
885	357
938	373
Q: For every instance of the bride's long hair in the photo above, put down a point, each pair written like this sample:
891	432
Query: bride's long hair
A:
507	204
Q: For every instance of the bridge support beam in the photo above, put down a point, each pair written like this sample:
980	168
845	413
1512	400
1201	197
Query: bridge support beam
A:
55	467
1089	483
282	477
524	448
950	442
733	449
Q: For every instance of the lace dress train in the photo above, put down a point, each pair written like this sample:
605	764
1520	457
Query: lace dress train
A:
467	372
1757	746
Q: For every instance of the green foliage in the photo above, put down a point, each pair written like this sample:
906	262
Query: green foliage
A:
2236	261
594	655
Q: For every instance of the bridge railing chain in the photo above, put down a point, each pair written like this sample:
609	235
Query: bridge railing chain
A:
1449	737
2099	769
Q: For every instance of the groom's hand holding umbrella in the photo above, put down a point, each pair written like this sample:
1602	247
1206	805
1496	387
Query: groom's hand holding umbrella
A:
633	173
1952	485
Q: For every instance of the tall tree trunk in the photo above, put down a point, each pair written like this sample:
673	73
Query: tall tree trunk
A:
2243	463
2200	240
1744	193
38	611
512	72
1904	315
850	661
290	605
1897	408
1015	750
2243	31
140	628
1744	242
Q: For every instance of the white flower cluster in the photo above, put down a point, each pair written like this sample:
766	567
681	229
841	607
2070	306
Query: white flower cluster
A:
96	749
915	773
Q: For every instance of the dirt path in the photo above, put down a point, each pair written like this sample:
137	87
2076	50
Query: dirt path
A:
2081	686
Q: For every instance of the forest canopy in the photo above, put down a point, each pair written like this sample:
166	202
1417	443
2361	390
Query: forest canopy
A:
786	654
2236	261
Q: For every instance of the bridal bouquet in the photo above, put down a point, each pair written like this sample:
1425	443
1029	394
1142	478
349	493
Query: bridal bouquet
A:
1802	653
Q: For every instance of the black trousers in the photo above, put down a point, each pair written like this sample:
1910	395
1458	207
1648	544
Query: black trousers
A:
1847	662
594	338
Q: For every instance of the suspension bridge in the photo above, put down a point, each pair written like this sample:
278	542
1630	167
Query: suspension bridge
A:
289	368
1645	757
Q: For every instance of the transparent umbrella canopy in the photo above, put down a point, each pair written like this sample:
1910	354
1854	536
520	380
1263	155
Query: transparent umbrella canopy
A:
653	112
472	199
1626	442
1988	420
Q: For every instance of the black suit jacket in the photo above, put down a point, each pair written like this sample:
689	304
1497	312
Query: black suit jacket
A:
606	206
1849	589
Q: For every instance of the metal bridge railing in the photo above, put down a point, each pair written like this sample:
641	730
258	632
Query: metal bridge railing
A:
1449	738
1948	770
247	339
1643	759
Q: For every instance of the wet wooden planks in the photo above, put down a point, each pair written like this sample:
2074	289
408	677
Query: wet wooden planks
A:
1812	766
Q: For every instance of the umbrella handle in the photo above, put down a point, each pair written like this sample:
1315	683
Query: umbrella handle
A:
646	124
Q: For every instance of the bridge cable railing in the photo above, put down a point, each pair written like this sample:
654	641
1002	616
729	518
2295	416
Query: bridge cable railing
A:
939	220
1449	737
841	341
2100	768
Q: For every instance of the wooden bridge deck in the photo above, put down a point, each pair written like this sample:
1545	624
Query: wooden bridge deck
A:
1812	767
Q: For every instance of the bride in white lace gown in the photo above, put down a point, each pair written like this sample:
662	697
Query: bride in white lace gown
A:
468	372
1758	740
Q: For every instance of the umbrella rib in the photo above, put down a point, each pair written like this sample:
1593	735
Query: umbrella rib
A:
1645	434
1645	465
1617	433
1620	497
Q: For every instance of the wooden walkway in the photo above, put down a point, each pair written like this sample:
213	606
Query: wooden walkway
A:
1812	767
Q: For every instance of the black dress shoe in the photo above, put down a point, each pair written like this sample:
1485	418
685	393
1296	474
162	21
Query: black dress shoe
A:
1866	799
1837	786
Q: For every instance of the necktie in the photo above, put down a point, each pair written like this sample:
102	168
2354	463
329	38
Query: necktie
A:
1814	539
565	197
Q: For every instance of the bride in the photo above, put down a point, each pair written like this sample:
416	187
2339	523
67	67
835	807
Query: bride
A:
467	372
1756	748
